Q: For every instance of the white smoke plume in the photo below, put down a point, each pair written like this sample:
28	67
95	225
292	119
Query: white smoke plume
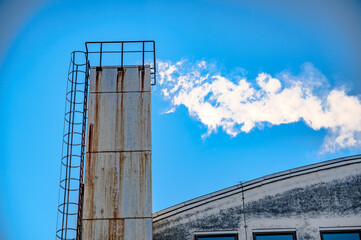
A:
236	105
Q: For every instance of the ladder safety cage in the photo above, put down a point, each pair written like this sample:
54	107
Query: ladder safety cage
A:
74	148
71	187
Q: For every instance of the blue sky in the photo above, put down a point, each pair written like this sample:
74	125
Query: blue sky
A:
238	39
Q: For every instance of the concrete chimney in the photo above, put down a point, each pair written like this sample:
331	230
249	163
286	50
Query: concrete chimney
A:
117	187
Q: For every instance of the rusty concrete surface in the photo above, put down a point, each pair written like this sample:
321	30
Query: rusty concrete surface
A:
131	79
118	122
118	185
117	188
114	229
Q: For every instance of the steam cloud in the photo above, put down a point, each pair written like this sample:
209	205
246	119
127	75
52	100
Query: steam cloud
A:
236	105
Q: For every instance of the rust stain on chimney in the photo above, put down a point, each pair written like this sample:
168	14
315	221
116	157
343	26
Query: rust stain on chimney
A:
141	77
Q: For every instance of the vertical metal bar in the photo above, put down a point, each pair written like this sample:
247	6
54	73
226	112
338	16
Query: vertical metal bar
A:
83	146
71	149
61	163
64	225
155	65
101	53
244	212
121	65
143	56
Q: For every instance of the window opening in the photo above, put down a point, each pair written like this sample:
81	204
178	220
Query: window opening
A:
216	236
341	235
275	236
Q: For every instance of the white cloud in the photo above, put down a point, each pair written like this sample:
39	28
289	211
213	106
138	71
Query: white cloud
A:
236	105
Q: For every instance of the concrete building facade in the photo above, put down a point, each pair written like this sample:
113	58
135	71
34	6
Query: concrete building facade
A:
319	201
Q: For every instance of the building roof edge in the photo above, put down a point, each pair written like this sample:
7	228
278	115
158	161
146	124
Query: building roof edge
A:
338	162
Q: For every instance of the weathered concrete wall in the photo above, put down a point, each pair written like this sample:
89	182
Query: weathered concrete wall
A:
117	188
305	200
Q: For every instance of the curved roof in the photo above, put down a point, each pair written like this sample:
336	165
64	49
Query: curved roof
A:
338	162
